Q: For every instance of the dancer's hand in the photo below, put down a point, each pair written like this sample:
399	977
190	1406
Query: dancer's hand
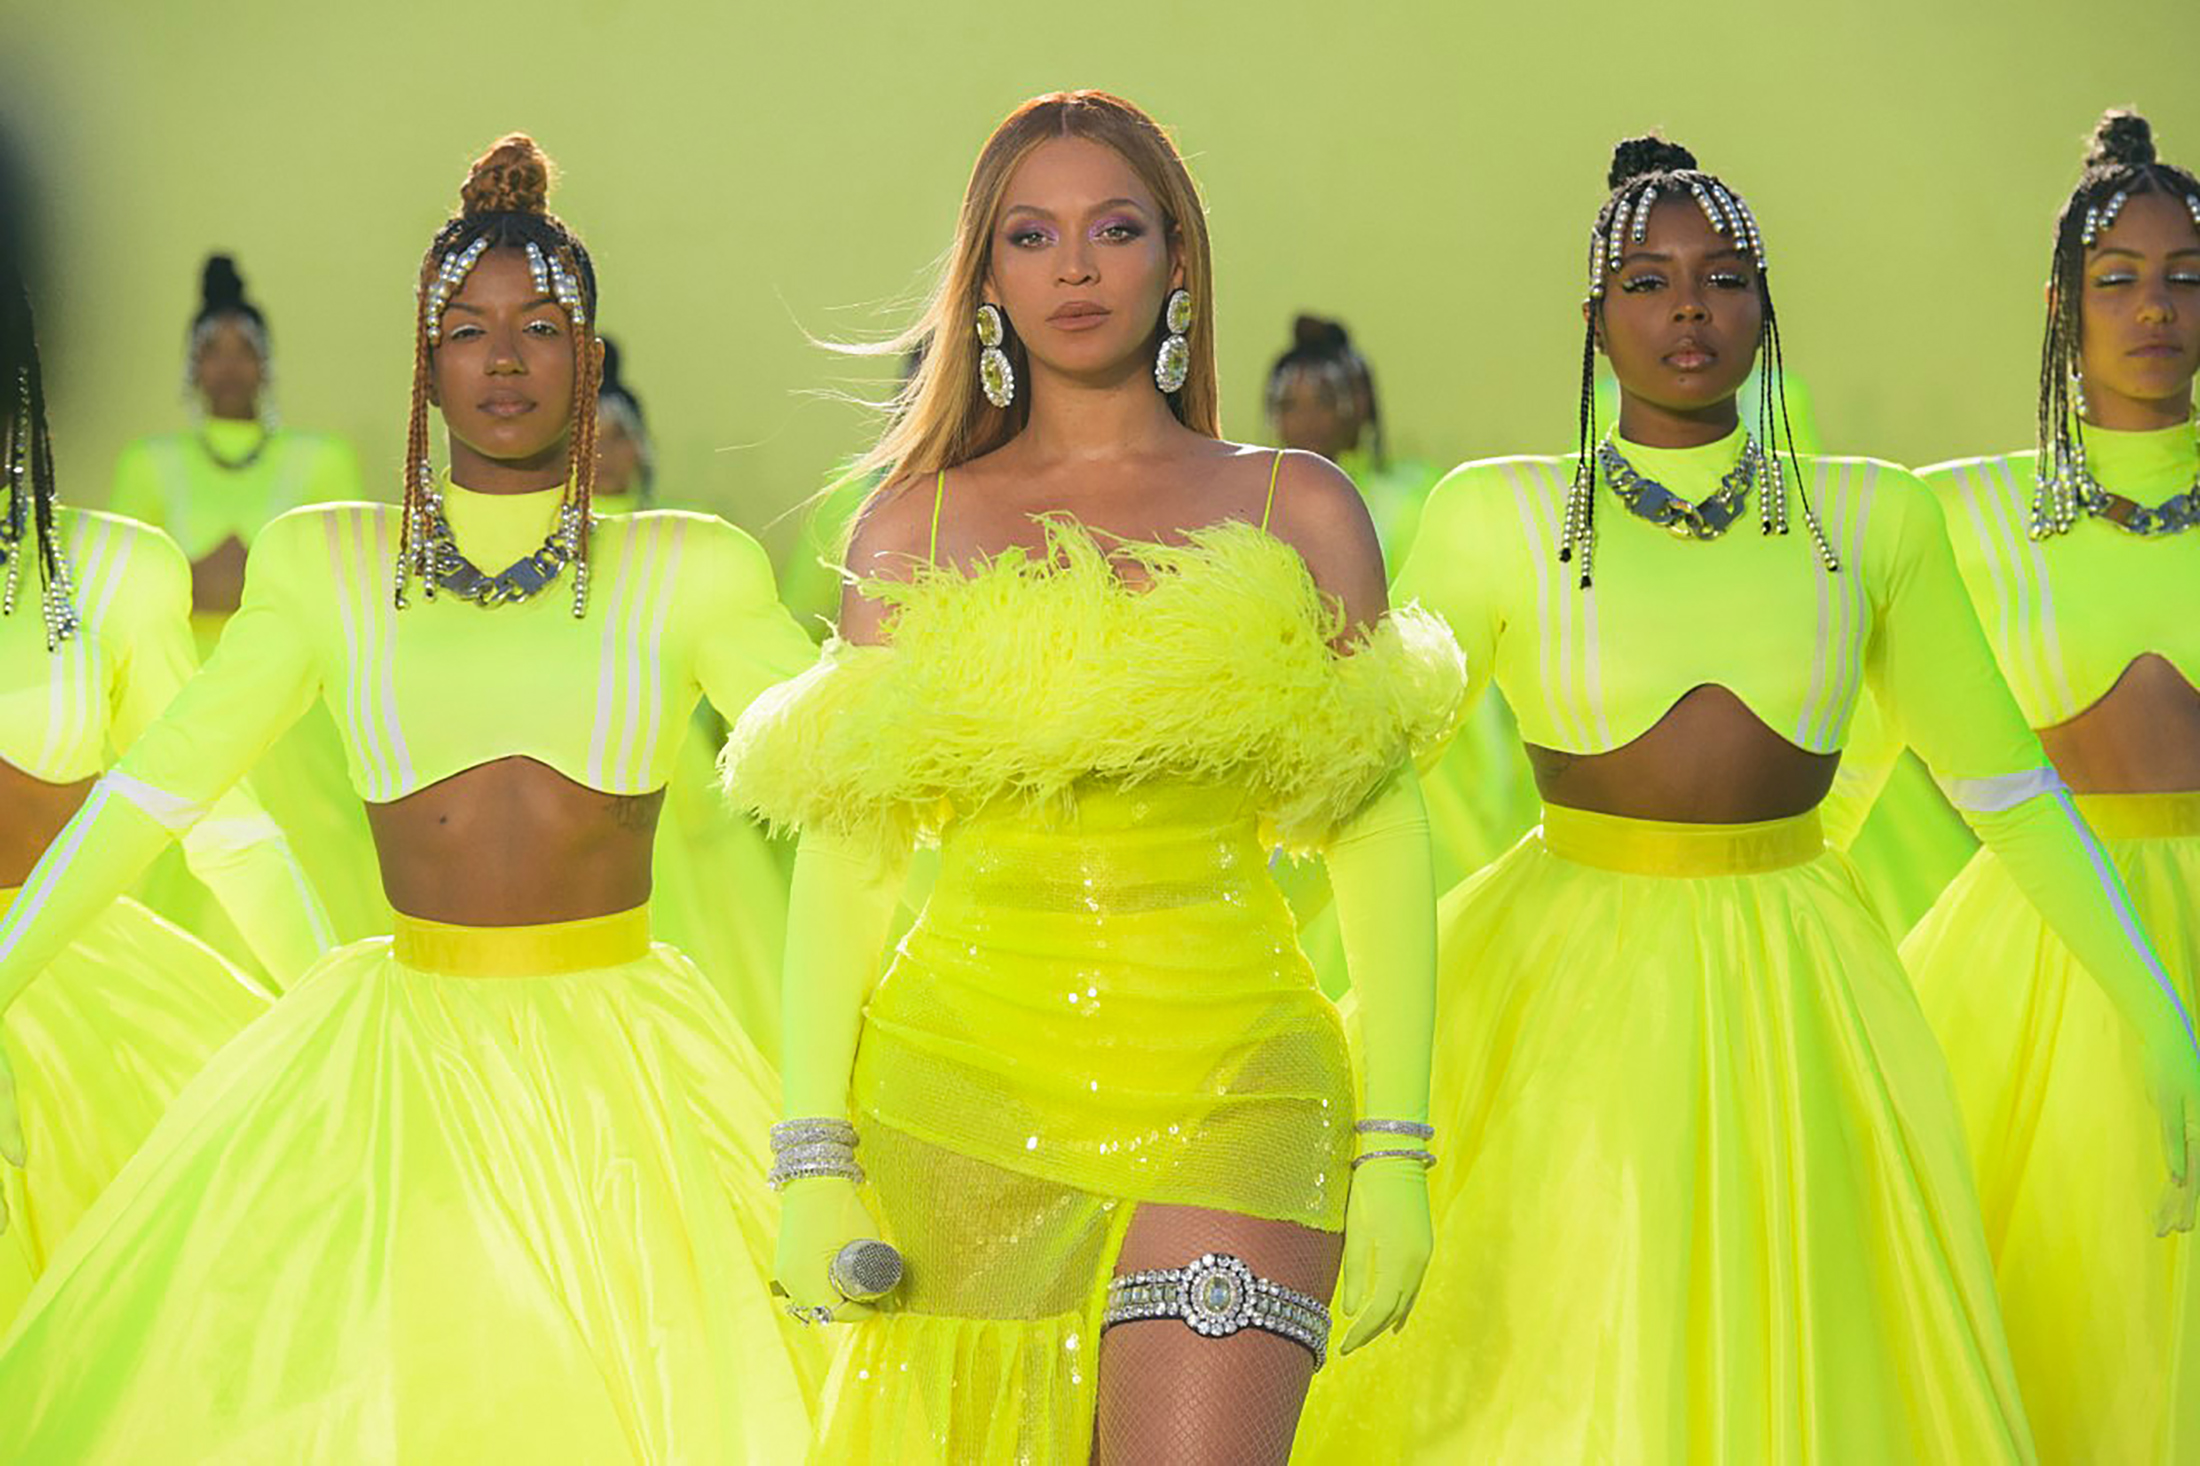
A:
2174	1080
817	1218
11	1128
1387	1238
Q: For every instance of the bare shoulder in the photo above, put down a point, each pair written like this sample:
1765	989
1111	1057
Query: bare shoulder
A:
893	530
1319	512
891	540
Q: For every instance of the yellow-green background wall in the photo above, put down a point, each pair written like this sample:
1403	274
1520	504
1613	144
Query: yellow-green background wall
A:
752	175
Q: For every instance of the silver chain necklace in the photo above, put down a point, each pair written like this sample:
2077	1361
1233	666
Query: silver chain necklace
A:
1705	519
524	579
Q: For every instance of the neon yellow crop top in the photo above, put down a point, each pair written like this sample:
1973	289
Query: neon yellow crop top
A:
63	713
2066	617
1588	671
680	605
172	480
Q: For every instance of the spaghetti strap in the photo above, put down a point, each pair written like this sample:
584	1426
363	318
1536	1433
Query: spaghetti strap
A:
939	492
1275	466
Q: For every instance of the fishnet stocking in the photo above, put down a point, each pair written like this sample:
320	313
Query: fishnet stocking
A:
1170	1397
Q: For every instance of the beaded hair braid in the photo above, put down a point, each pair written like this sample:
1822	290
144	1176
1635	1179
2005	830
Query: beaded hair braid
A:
1644	170
2120	163
26	463
503	205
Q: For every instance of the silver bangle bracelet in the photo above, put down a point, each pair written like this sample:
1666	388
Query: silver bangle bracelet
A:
817	1150
1427	1158
1217	1296
1413	1128
779	1177
817	1130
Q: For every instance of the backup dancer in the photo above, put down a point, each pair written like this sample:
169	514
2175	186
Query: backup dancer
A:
2083	559
1706	1196
492	1188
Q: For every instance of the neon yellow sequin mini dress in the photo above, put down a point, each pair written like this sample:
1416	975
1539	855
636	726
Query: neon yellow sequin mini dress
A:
1102	1004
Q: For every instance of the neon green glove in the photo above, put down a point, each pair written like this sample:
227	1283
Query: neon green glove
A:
816	1219
11	1129
105	845
2055	859
839	907
1386	912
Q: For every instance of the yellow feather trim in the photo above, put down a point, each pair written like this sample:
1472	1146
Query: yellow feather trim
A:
1032	673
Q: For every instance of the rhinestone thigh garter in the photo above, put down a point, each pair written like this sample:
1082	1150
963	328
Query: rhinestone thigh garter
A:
1217	1296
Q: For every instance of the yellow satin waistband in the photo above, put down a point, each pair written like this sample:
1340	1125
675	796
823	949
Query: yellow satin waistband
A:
7	897
544	950
2141	816
1666	848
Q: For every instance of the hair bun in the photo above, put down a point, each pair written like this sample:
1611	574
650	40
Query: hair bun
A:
1313	333
1638	157
221	288
513	177
2121	139
612	381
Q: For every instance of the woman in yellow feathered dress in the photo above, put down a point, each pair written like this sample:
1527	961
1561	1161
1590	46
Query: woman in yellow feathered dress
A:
1103	658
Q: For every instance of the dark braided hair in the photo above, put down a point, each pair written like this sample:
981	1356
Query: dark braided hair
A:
26	465
2120	164
1643	171
222	298
1323	350
504	204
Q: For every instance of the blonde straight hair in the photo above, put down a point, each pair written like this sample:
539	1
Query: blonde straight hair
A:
940	418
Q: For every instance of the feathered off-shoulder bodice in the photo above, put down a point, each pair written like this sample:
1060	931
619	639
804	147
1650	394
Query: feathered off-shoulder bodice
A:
1035	672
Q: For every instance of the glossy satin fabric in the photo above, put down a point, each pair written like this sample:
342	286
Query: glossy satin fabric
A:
424	1217
101	1042
1703	1194
1090	1013
2103	1316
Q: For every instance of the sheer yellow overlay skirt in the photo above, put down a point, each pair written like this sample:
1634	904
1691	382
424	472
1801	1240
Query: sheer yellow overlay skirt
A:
100	1043
2103	1316
475	1195
1096	1008
1703	1194
718	892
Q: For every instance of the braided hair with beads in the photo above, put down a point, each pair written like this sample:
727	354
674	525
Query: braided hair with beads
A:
504	204
2120	164
1644	170
27	472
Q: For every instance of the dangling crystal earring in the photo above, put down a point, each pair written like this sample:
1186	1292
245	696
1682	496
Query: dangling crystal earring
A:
1173	363
996	375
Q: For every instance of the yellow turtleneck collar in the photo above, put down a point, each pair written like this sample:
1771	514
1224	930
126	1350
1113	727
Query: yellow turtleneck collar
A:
493	530
2146	466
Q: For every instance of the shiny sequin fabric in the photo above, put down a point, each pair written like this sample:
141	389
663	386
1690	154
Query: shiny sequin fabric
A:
1103	1002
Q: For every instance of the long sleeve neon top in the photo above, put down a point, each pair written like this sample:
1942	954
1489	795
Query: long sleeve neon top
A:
681	606
63	713
1587	671
2066	617
174	481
